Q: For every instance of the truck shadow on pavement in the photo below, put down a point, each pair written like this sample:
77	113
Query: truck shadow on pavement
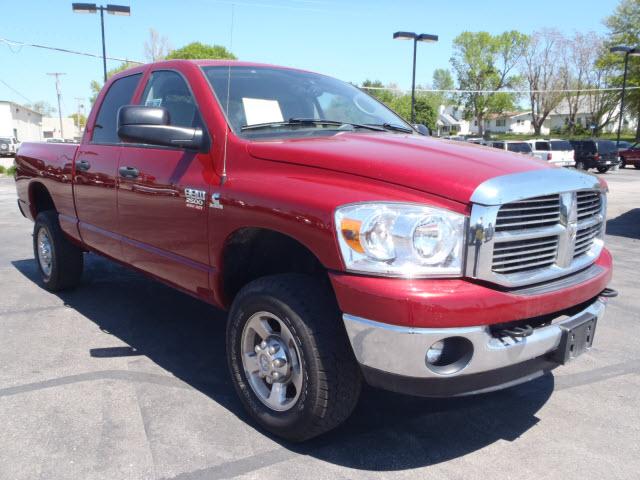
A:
187	338
625	225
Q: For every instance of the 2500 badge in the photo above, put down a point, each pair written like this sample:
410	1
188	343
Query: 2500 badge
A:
195	198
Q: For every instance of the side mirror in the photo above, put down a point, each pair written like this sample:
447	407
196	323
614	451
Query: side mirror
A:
150	125
422	129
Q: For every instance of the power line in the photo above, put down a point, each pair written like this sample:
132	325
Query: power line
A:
14	43
15	91
437	90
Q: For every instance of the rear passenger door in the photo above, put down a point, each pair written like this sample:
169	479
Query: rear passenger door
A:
164	230
96	171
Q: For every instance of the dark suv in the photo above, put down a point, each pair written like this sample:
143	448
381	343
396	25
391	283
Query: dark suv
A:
598	154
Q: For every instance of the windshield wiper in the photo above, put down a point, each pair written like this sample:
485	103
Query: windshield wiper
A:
393	127
309	121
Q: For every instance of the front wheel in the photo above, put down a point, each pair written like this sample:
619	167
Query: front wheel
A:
603	169
290	358
636	166
580	166
60	263
623	164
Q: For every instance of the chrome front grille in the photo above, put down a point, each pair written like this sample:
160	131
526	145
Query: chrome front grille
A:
521	255
532	239
589	204
530	213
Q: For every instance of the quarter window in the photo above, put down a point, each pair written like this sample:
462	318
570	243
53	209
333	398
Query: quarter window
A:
169	90
119	94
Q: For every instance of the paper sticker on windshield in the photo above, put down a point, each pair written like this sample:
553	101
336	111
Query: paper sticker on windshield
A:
153	102
259	110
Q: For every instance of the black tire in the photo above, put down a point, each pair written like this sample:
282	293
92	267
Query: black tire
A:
580	166
67	260
603	169
331	375
623	163
636	166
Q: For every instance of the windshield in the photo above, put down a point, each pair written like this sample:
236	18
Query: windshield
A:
519	147
605	146
263	95
560	145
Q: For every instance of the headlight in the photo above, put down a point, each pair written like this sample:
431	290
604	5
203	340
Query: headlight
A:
400	239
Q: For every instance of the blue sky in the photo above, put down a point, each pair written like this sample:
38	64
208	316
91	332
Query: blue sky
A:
350	40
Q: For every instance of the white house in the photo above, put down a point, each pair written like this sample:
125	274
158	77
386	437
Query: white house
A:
510	122
51	128
451	121
20	122
559	117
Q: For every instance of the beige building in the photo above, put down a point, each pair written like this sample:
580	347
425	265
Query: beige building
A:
51	128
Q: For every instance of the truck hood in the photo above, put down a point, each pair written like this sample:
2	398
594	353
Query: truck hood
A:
445	168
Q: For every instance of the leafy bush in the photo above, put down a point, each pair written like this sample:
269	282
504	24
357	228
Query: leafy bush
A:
2	169
11	170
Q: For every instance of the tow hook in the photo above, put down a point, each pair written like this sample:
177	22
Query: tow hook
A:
609	293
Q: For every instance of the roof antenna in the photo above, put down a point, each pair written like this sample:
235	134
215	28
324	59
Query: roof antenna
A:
223	178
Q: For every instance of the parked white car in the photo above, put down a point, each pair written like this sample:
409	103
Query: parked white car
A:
8	146
555	151
516	146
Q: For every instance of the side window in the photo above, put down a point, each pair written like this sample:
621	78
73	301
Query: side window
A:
119	94
169	90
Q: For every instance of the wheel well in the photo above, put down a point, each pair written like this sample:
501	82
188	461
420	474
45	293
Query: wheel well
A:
40	199
252	253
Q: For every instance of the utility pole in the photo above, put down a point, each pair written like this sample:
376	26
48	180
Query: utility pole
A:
80	107
57	75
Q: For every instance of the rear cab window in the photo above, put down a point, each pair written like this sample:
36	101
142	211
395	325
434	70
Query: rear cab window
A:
542	146
120	93
519	147
560	146
606	146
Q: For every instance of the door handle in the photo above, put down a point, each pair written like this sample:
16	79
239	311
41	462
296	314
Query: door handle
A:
83	165
128	172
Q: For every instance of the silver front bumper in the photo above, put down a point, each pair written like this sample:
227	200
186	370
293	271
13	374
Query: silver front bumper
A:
402	350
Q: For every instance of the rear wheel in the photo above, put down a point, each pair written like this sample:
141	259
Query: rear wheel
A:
59	262
290	358
637	166
603	169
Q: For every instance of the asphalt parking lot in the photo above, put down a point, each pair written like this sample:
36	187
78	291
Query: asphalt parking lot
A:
124	378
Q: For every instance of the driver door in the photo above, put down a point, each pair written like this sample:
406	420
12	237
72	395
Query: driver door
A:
165	232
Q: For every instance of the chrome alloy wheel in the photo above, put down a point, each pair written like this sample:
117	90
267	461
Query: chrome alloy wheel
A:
45	255
271	361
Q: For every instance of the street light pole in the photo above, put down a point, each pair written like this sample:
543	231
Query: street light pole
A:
413	82
628	51
422	37
104	48
110	9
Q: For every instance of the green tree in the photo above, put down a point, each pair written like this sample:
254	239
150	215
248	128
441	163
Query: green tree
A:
197	50
43	108
624	29
374	87
443	80
79	118
425	113
483	62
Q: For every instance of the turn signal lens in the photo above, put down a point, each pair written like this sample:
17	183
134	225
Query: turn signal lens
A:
351	233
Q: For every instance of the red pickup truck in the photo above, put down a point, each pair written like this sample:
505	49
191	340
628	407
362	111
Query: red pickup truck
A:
347	247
